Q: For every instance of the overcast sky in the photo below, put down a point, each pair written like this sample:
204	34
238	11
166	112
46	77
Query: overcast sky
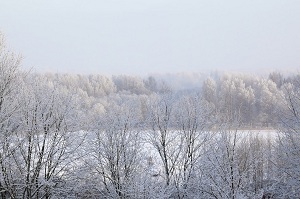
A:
153	36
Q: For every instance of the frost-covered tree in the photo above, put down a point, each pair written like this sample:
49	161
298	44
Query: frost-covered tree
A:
209	90
130	84
277	78
9	108
288	142
235	99
116	152
162	136
45	145
193	121
226	168
36	146
269	96
151	84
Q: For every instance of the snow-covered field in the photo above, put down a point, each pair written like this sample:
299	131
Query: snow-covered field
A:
86	143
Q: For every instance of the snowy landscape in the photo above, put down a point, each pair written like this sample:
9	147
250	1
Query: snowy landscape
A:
95	136
150	99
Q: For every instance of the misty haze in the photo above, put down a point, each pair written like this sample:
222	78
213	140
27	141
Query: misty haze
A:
147	99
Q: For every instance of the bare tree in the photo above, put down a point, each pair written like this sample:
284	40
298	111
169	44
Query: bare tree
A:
9	70
288	143
43	143
163	136
193	123
226	166
116	152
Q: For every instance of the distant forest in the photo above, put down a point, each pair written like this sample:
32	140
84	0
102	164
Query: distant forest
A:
252	100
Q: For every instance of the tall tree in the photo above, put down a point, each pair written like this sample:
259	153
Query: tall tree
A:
116	151
9	108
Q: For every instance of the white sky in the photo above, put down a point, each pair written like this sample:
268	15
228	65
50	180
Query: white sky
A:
153	36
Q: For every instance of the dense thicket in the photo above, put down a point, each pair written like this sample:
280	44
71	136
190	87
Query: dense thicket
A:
79	136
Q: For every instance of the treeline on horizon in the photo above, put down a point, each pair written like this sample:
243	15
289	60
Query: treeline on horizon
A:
79	136
255	98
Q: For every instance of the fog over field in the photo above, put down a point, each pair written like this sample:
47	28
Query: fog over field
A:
143	99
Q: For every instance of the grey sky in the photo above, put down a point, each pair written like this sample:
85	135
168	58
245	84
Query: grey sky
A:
153	36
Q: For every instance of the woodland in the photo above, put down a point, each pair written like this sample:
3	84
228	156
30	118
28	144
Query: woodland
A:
230	135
